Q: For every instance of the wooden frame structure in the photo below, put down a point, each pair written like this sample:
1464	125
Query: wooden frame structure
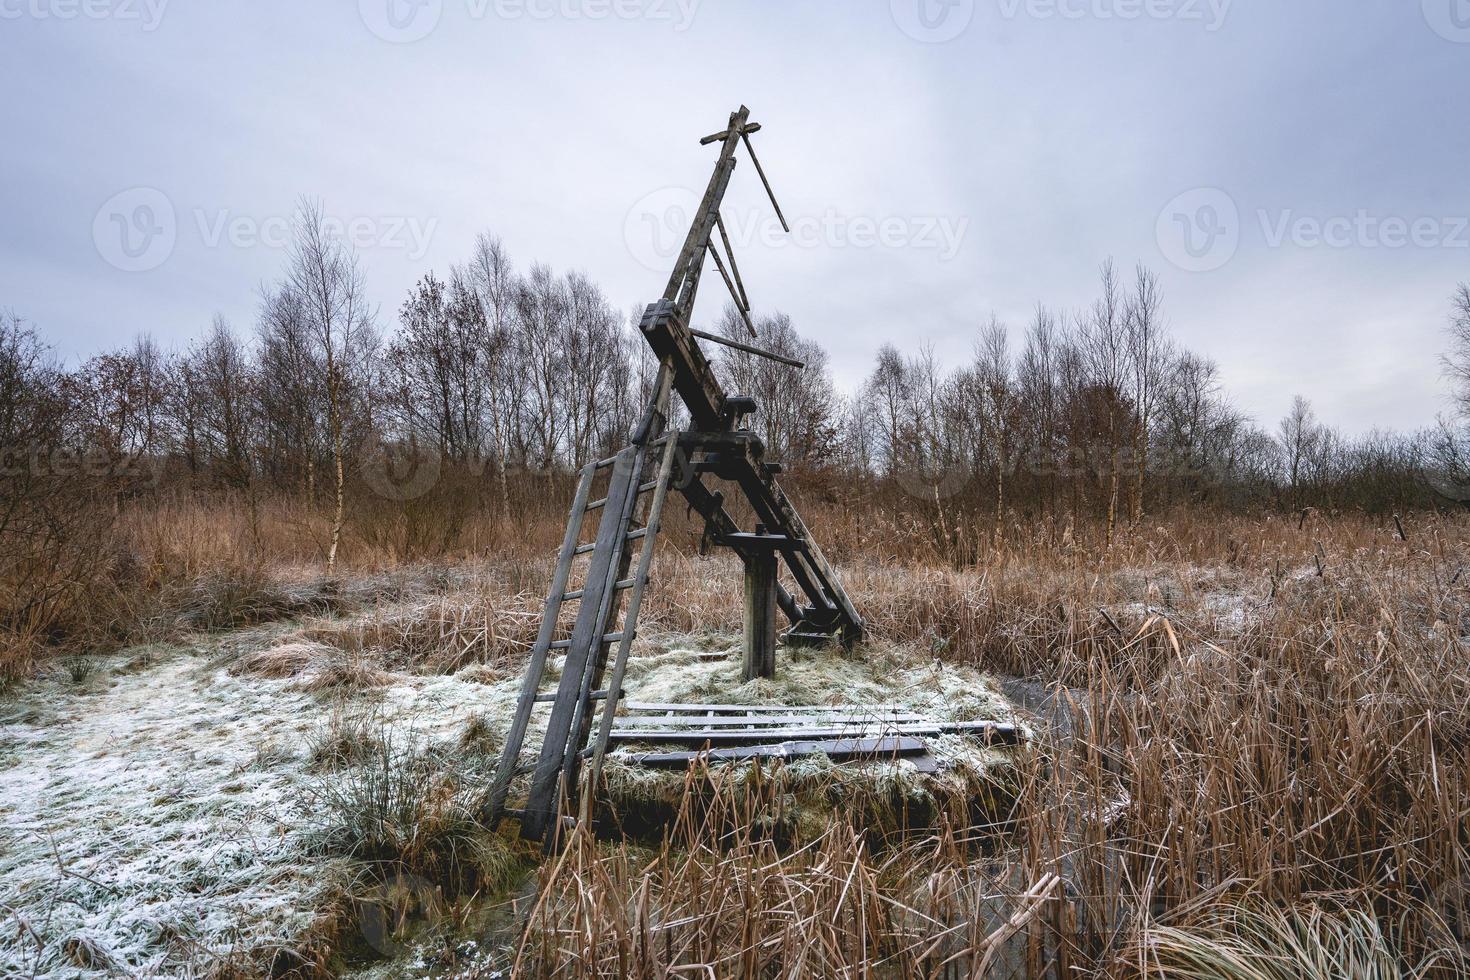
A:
629	512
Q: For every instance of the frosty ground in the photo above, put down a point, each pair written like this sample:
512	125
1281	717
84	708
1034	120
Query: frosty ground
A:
157	805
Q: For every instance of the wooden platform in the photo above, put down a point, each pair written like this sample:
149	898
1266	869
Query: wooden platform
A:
737	733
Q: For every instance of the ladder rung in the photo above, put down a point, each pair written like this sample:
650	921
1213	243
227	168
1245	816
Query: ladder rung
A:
620	585
603	464
560	644
642	532
583	549
596	696
601	502
615	637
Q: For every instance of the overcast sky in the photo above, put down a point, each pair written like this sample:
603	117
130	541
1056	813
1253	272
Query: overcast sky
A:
1298	173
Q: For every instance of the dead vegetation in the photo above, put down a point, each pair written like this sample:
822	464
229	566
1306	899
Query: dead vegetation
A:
1251	757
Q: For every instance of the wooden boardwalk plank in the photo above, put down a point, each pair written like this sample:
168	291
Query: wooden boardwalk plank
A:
997	732
837	750
754	721
703	709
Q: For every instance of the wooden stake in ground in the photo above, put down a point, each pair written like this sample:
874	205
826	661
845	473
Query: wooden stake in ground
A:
760	606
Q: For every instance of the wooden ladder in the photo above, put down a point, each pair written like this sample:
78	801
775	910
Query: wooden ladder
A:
595	633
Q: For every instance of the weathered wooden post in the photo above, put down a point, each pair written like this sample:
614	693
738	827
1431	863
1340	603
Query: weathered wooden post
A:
760	610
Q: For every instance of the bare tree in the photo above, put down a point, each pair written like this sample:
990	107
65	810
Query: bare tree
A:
326	277
1149	354
1300	438
796	420
495	284
1457	358
888	393
996	390
293	405
1039	386
541	355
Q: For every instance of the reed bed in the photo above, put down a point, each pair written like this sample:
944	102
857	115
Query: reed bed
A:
1253	740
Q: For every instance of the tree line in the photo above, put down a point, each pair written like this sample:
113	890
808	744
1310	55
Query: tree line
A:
495	372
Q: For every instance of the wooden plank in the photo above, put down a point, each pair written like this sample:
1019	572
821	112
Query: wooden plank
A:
749	721
537	665
635	600
602	571
838	750
851	709
991	731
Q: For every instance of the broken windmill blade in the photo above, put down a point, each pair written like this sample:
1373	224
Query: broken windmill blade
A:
610	584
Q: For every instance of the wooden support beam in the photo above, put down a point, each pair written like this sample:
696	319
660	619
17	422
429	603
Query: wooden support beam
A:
760	614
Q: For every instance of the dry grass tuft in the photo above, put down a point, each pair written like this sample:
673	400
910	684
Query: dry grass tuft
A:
443	633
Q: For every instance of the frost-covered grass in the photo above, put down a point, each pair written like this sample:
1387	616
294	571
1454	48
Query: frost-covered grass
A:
143	831
151	819
210	809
